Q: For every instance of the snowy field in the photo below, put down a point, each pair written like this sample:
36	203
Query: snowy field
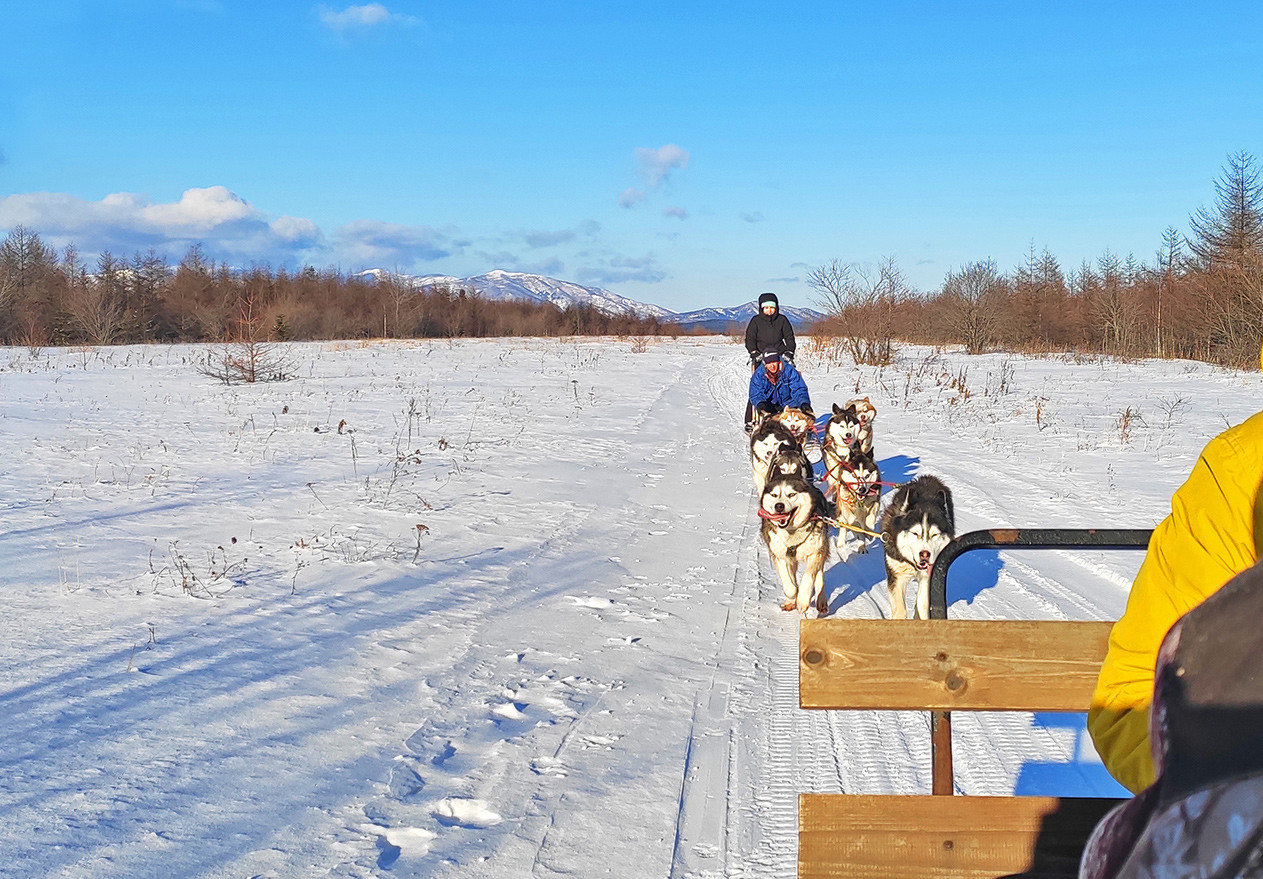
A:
499	608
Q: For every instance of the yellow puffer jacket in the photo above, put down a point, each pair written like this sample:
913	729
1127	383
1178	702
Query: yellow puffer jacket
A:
1214	532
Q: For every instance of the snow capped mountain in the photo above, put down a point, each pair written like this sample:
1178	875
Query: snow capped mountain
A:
727	319
517	285
502	286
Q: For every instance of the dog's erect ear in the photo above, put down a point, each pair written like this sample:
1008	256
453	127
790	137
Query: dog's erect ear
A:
837	410
901	506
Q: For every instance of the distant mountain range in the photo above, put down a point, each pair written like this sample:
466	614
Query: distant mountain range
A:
725	320
501	285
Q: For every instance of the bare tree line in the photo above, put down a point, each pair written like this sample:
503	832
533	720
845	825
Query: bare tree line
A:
52	298
1200	298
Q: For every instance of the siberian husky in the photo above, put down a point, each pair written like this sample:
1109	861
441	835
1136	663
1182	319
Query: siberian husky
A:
798	422
918	523
768	438
857	501
797	540
866	412
791	462
841	436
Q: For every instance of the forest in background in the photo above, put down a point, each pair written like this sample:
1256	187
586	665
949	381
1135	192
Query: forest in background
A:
1201	297
47	297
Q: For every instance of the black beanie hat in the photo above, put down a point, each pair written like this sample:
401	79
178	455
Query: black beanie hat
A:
768	299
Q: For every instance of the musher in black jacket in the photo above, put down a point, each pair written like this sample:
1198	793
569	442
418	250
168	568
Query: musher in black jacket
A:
768	330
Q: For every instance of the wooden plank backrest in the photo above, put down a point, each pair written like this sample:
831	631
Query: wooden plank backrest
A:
950	665
925	837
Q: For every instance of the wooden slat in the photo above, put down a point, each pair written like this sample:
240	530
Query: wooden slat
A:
926	837
950	665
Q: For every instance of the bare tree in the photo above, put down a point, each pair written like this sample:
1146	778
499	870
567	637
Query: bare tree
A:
1233	231
95	304
148	276
28	274
398	293
1114	307
248	355
1170	257
975	298
1228	243
864	302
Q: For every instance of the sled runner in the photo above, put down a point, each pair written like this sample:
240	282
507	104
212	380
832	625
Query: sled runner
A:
946	665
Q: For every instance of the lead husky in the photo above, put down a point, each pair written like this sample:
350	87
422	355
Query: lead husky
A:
768	438
841	437
796	537
917	524
857	501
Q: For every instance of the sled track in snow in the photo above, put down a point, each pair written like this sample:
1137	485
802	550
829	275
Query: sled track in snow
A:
753	745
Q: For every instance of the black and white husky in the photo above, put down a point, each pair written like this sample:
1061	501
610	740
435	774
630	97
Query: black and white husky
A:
797	540
856	502
841	438
919	521
768	439
791	462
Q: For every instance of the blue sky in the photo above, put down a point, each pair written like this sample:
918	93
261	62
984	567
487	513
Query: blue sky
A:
685	154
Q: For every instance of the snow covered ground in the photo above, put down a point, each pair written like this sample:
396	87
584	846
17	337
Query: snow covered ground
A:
498	608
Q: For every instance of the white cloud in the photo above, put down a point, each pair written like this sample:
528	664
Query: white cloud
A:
553	237
296	229
545	238
621	269
630	196
227	225
657	165
678	213
753	217
355	18
375	244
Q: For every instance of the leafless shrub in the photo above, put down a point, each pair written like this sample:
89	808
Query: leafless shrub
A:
1126	423
249	356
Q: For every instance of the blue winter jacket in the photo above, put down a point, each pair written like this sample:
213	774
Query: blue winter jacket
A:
789	390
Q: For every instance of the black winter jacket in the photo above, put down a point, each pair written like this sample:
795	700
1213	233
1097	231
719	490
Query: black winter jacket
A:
773	333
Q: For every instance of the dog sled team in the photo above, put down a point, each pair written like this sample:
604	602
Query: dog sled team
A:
797	515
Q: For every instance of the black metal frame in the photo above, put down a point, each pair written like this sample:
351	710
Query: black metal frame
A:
1004	538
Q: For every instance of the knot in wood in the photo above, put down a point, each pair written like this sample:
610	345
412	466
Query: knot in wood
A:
813	657
954	681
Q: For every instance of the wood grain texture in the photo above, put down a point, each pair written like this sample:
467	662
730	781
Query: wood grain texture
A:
893	837
950	665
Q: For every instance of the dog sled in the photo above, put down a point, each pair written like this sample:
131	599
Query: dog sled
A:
941	665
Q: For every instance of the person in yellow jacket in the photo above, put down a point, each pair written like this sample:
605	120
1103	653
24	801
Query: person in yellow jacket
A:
1214	532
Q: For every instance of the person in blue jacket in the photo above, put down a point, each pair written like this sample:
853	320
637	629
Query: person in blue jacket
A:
777	385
